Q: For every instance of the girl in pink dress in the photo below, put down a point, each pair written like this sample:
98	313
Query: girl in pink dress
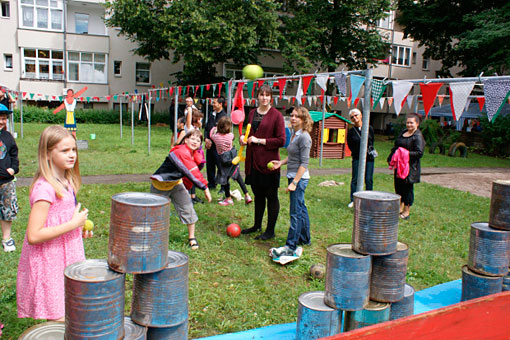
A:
53	239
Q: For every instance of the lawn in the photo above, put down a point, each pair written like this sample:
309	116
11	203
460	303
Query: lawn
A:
234	285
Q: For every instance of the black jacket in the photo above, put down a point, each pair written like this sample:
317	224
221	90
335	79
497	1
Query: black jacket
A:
416	145
354	142
8	156
212	121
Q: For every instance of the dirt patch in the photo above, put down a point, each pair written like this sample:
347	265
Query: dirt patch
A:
479	183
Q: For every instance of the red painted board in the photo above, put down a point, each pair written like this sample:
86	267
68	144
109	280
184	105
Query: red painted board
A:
487	317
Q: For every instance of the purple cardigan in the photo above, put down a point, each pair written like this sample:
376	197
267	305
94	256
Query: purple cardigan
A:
272	129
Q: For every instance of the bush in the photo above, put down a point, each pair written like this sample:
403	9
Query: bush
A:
496	136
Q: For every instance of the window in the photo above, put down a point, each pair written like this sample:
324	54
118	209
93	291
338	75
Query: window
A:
386	22
88	106
43	64
143	73
413	60
401	55
41	14
117	64
86	67
425	63
81	23
8	62
6	9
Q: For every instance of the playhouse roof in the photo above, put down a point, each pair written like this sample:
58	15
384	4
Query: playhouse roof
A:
317	116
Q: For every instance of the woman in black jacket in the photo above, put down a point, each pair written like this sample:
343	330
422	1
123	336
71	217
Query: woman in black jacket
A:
412	140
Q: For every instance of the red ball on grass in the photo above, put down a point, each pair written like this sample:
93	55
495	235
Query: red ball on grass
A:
233	230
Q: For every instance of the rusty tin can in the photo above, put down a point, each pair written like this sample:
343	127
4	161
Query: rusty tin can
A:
94	301
373	313
404	307
179	332
315	319
160	299
475	285
139	225
489	250
499	215
347	278
388	279
45	331
132	331
375	222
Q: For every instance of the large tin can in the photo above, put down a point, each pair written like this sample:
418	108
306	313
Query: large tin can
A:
160	299
347	278
506	282
404	307
94	301
45	331
138	240
475	285
132	331
315	319
489	249
373	313
499	215
375	222
179	332
388	279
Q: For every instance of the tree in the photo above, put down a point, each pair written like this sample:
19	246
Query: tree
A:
472	34
200	33
328	34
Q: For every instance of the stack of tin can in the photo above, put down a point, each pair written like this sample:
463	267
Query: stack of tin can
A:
489	248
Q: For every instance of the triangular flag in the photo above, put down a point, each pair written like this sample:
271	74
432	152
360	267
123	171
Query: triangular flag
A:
440	99
496	93
328	100
381	102
306	83
322	81
260	82
410	100
220	85
356	101
341	83
275	101
356	84
309	98
207	87
214	89
400	91
429	93
390	101
378	87
250	89
238	98
335	100
202	91
481	102
299	92
281	85
459	93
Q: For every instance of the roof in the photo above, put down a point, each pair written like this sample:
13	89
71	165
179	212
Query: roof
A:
317	116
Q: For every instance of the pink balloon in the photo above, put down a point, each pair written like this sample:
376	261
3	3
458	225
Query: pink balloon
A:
237	116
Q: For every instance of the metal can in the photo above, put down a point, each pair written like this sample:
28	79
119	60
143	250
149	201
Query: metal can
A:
475	285
375	222
388	279
179	332
489	249
499	215
373	313
404	307
138	240
160	299
45	331
315	319
132	331
347	278
94	301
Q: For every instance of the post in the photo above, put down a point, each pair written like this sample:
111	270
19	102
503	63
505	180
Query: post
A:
132	121
176	113
149	125
120	103
21	112
322	129
206	110
364	130
229	97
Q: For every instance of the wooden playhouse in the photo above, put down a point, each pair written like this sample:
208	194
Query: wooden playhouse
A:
335	134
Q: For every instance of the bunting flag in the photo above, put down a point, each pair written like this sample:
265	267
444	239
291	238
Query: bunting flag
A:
281	85
400	91
341	83
459	93
335	100
250	89
196	90
309	99
299	92
390	101
496	93
260	82
214	89
220	85
378	88
356	84
429	93
356	101
381	102
481	102
410	100
322	81
238	98
306	83
440	99
201	91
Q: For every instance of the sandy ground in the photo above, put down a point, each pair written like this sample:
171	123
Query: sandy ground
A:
479	183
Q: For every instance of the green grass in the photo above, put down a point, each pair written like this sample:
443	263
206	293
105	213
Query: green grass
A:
234	285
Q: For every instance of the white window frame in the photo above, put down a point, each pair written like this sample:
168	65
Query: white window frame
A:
401	55
425	64
76	14
39	61
8	9
51	8
387	22
137	70
6	67
120	68
93	62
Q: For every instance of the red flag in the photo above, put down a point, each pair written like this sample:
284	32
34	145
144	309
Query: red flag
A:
429	94
281	85
306	83
335	100
207	87
356	101
108	98
238	98
180	90
481	102
260	82
219	89
390	101
196	90
303	100
170	91
322	96
187	90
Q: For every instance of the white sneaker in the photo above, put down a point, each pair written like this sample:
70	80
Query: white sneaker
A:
350	205
8	245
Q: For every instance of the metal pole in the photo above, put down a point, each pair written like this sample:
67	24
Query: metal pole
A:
21	112
364	131
229	96
206	111
176	113
149	126
322	129
132	121
120	103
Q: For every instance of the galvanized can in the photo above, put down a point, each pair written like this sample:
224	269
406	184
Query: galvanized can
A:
161	299
375	222
347	278
404	307
506	282
374	313
475	285
94	301
489	249
45	331
179	332
388	279
499	215
138	232
315	319
132	331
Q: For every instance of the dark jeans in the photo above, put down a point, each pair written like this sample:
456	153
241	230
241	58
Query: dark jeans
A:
369	176
226	187
266	194
212	161
405	190
299	231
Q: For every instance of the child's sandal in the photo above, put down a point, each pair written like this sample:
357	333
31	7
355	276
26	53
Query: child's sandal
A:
193	243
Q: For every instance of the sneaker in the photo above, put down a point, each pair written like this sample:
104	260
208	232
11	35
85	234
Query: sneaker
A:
283	251
221	192
197	200
247	199
350	205
8	245
226	201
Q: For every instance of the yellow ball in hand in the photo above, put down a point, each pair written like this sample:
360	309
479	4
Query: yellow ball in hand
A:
89	225
270	165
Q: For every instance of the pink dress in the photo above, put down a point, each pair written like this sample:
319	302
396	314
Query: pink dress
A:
40	283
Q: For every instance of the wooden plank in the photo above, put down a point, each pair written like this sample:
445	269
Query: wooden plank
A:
487	317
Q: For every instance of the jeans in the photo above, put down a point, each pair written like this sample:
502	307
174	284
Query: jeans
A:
212	168
299	231
369	176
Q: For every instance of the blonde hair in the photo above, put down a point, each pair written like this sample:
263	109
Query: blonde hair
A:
50	137
304	115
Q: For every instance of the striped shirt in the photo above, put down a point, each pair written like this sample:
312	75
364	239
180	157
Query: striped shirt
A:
223	141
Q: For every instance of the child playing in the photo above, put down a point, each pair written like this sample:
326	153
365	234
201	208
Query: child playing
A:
54	232
176	176
9	165
223	137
